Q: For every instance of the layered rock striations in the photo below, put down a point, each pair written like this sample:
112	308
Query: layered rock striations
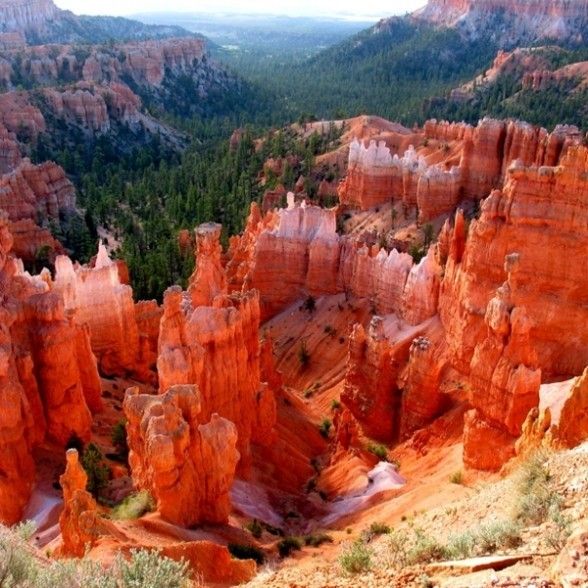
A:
48	373
145	63
36	191
454	162
26	16
511	22
188	463
296	252
210	338
30	194
97	298
510	336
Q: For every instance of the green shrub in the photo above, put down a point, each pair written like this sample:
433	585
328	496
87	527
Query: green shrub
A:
255	528
288	545
133	506
425	549
149	569
330	330
559	529
310	304
93	463
335	405
119	438
357	558
317	540
536	498
143	569
242	551
303	355
379	450
456	477
498	535
379	529
325	428
397	544
461	546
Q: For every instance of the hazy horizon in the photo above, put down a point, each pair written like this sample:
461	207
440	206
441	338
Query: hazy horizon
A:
368	9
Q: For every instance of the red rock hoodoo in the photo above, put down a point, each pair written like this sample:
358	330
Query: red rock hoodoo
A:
186	462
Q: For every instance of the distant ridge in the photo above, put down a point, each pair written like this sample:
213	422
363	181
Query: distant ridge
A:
41	21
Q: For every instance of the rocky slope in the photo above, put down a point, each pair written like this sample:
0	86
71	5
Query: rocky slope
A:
41	21
313	376
512	23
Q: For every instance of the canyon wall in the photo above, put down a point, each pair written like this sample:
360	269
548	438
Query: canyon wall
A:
512	22
48	376
295	252
210	338
28	16
453	162
96	297
508	303
146	63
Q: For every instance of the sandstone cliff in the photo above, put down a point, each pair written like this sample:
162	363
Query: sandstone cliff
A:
97	298
511	336
187	462
513	22
48	374
211	339
453	162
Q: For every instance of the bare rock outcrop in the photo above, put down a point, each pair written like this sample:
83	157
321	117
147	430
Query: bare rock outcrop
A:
454	162
186	462
211	339
48	376
97	298
510	337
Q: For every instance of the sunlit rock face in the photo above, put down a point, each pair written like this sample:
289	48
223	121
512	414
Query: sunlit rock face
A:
211	339
295	252
509	305
80	519
96	297
453	162
49	382
512	21
185	461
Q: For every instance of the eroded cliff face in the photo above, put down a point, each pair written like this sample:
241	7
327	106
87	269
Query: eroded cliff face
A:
187	462
211	339
490	306
144	62
97	298
30	194
26	16
512	335
296	252
453	162
513	22
49	377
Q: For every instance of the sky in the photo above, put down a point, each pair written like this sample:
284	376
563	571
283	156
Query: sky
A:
358	9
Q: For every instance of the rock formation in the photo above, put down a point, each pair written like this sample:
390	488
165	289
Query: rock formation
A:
185	461
49	381
33	191
80	519
454	162
523	20
512	336
26	16
295	252
211	339
96	297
